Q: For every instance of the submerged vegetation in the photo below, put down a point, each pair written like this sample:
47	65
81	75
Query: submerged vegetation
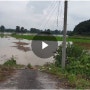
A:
77	70
10	62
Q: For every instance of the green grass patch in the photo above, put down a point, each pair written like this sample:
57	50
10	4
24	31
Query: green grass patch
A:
50	38
78	39
11	62
72	81
5	71
8	68
31	37
29	66
77	67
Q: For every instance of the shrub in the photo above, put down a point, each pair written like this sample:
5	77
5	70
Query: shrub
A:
77	60
72	52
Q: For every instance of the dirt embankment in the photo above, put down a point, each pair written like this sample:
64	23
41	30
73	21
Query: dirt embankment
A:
84	45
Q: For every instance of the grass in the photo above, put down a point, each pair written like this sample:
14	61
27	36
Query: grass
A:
29	66
10	62
50	38
70	80
77	67
1	35
31	37
78	40
8	68
5	71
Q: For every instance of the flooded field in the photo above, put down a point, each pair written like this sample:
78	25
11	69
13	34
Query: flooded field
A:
21	50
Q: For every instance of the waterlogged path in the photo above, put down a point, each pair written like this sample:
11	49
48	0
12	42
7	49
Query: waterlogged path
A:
31	79
25	79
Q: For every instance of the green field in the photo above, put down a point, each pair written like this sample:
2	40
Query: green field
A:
50	38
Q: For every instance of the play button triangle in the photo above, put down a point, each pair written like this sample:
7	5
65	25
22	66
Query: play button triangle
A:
44	48
44	45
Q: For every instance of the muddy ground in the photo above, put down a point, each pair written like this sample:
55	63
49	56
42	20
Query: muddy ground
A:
32	79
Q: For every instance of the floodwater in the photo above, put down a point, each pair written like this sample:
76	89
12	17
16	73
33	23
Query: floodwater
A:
8	48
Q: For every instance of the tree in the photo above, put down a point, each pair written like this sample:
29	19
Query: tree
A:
25	30
57	32
2	28
22	29
83	28
34	30
17	29
48	31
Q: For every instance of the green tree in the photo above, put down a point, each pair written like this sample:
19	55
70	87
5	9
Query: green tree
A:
25	30
2	29
22	29
82	28
17	29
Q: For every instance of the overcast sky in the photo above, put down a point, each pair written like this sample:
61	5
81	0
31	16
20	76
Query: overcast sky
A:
42	14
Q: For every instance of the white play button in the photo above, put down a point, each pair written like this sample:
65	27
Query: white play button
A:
44	48
44	45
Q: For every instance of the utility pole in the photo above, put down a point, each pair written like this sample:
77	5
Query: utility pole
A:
64	35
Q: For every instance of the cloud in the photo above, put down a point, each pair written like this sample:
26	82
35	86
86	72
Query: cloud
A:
38	13
78	11
12	12
38	6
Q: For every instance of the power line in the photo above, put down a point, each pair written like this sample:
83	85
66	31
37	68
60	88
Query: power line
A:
48	9
58	12
47	20
60	17
49	15
57	8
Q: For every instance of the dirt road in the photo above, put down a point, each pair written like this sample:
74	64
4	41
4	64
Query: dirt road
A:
30	79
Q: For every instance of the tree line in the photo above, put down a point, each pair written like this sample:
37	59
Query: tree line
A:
19	29
83	28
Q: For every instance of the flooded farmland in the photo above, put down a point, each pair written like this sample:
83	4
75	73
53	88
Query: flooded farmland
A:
21	50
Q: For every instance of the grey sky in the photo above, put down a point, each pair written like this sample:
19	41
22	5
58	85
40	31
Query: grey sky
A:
42	14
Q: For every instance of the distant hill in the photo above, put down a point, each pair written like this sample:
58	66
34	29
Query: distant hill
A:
82	28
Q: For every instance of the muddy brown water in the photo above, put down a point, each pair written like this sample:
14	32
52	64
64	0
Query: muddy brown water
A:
22	53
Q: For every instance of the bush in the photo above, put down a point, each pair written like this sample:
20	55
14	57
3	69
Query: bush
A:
72	52
77	60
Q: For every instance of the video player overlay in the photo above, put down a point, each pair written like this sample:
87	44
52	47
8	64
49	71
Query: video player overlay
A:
43	47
